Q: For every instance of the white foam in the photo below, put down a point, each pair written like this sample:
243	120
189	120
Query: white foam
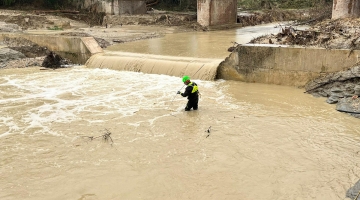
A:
47	97
10	124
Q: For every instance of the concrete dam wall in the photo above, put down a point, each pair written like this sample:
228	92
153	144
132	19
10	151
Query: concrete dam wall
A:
199	68
268	64
283	65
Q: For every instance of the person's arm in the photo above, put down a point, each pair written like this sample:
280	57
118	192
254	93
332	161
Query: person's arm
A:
187	92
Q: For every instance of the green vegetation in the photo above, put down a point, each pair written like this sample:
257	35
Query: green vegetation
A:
51	4
55	28
190	5
177	5
287	4
7	2
182	5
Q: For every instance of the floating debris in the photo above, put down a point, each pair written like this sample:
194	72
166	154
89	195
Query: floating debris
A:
106	137
208	131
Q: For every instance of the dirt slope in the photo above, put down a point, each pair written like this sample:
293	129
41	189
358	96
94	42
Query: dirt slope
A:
333	34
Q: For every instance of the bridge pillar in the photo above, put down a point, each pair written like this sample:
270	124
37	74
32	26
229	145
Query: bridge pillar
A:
345	9
216	12
113	7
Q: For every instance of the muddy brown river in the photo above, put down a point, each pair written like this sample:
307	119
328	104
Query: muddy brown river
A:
265	141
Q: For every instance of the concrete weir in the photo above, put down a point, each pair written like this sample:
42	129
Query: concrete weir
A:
76	49
284	65
268	64
199	68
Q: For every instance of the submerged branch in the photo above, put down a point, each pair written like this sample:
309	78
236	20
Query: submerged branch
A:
106	137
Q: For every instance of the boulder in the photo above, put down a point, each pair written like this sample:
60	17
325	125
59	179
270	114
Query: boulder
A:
7	54
54	61
353	191
349	105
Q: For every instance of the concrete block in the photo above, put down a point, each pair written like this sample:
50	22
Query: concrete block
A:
216	12
284	65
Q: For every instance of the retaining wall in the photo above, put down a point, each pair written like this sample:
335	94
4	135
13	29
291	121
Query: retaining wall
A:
76	49
283	65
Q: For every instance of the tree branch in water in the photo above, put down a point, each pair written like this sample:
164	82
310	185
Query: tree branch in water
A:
106	137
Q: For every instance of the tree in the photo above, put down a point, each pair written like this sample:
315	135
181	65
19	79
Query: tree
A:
52	4
7	2
283	4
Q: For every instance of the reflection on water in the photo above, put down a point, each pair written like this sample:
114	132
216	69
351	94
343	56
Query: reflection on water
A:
266	142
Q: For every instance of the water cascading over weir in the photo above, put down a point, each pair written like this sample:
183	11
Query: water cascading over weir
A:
197	68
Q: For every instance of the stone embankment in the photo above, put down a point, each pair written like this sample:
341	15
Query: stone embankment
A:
341	88
10	58
19	53
353	192
14	59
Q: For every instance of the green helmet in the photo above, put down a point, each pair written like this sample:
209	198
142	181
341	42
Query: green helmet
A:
185	78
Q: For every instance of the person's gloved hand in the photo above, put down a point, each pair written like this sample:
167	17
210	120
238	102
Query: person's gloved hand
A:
178	92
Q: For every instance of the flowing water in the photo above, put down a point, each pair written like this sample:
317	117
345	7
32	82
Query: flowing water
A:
197	54
213	44
264	141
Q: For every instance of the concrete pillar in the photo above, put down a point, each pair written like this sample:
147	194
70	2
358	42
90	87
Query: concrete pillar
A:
345	8
113	7
216	12
132	7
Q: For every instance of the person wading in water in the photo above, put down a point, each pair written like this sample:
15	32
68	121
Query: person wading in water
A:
191	92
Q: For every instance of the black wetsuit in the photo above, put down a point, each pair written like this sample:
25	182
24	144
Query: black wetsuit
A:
192	93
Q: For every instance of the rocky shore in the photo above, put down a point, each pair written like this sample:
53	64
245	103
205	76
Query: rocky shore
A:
10	58
21	53
18	60
341	88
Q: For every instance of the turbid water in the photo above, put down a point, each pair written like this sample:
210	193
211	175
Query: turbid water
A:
265	141
197	53
213	44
